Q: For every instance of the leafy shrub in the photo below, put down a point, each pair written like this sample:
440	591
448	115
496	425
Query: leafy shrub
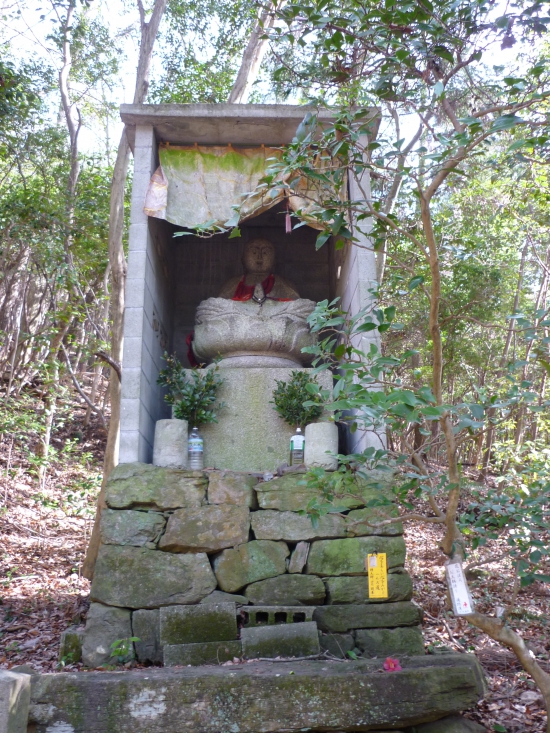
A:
191	391
289	398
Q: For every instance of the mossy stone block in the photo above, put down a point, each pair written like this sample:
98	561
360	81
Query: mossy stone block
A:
230	487
291	493
355	589
104	625
128	527
287	590
362	522
70	648
218	596
196	624
146	627
286	640
337	644
132	485
405	640
206	529
347	557
135	577
367	616
293	527
213	652
247	563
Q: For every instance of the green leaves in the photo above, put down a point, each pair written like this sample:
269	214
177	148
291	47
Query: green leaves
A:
191	391
298	400
506	122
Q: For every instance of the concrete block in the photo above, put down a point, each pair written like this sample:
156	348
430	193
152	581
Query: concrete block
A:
289	640
135	293
321	440
132	353
138	233
133	322
213	652
129	414
15	695
137	260
146	627
272	615
201	623
104	625
170	446
128	448
131	383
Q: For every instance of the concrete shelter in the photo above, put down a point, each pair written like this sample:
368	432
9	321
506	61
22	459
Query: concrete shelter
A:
168	277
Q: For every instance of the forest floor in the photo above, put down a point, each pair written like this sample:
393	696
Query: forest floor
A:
45	525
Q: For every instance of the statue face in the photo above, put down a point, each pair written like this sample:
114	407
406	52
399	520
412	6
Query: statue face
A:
259	256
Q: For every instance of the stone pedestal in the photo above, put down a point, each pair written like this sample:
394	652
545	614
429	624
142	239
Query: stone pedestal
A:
250	435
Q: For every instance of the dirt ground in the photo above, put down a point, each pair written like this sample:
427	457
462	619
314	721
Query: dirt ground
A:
45	525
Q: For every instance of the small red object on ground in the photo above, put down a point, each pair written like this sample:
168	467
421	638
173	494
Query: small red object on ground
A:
392	665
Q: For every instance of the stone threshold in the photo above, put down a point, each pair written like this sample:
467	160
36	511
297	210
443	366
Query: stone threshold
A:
258	697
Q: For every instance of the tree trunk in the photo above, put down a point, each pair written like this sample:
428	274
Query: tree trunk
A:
252	58
117	262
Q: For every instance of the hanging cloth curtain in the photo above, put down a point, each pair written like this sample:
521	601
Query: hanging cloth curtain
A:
198	186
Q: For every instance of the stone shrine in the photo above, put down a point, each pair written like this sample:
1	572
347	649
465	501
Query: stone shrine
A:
221	565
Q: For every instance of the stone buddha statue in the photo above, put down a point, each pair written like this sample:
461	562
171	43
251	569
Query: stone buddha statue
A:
258	319
258	282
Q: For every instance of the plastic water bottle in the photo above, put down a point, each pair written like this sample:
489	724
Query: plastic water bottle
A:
195	450
297	446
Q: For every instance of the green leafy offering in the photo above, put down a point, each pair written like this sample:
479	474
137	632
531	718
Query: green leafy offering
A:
289	398
191	391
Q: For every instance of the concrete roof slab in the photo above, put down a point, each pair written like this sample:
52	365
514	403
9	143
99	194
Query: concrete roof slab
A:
220	124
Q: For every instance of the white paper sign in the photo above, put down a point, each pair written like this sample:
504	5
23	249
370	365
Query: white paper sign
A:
458	588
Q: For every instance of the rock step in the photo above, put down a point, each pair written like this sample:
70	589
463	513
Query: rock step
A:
248	698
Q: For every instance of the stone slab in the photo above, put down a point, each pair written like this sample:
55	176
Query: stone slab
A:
284	640
197	624
298	559
347	557
146	627
367	616
206	529
133	485
128	527
287	590
229	487
390	642
15	695
134	577
451	724
70	647
247	563
214	652
258	696
293	527
104	625
249	434
355	589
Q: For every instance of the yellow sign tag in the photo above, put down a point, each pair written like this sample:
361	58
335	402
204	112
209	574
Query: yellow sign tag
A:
378	575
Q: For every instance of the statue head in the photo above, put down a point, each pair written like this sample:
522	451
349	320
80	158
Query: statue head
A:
258	256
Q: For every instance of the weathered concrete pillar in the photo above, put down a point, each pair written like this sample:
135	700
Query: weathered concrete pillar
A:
321	441
170	448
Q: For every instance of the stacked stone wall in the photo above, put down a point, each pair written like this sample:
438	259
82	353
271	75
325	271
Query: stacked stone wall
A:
205	566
